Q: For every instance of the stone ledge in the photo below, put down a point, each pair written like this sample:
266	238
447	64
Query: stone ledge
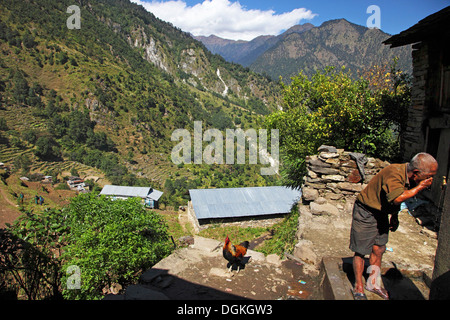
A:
333	285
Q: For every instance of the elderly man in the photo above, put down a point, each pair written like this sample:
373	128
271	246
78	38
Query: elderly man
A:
371	224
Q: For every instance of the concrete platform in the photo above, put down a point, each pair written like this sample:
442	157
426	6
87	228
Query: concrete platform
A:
334	283
336	276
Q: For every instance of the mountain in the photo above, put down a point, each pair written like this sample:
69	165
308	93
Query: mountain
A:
109	95
245	52
306	48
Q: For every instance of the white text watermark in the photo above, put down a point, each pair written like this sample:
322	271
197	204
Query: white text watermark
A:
236	139
74	280
74	21
374	20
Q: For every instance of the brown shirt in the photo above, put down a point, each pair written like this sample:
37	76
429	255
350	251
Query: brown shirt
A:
387	185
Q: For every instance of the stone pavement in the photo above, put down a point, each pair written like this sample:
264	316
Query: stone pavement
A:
199	272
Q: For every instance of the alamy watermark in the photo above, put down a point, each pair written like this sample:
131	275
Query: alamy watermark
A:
374	280
374	21
186	152
74	21
74	280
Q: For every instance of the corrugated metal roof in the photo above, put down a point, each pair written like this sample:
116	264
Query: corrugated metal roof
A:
125	191
155	194
242	202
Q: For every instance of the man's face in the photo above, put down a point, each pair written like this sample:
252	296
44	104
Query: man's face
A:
423	175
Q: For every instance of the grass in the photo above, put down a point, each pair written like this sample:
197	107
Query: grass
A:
174	227
235	233
283	239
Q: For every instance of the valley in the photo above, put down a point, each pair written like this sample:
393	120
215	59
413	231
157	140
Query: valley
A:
102	103
110	94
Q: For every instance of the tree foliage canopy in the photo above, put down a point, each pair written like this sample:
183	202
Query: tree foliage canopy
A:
107	241
363	115
111	241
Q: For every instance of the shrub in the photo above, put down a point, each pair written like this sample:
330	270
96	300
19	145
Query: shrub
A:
111	242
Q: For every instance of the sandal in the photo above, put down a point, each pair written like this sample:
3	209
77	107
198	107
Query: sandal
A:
380	292
358	295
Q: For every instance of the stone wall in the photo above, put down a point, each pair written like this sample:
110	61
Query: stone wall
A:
333	174
192	218
413	139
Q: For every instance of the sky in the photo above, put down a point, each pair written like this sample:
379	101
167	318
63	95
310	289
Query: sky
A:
247	19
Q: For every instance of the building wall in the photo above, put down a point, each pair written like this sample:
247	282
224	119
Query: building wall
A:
414	138
428	126
429	130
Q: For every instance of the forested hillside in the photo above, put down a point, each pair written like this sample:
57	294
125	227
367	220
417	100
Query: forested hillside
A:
110	94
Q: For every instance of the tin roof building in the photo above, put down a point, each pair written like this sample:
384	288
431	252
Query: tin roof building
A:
228	203
148	194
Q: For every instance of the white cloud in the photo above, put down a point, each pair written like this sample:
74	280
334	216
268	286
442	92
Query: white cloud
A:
224	18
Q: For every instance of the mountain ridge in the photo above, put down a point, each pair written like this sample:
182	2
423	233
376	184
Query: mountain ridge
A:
245	52
307	48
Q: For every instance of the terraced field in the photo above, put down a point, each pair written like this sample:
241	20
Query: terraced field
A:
8	154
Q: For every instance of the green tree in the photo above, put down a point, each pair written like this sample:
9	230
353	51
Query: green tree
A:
332	108
220	120
28	40
21	88
99	140
47	148
3	124
79	125
23	162
111	242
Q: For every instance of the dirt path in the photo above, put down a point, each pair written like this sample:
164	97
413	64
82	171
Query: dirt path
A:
5	197
8	209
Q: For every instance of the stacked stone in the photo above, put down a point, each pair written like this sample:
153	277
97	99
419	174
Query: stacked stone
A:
333	175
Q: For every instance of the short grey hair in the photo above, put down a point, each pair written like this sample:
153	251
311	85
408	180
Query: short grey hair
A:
422	162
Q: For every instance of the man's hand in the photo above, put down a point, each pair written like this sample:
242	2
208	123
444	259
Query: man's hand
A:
425	183
393	222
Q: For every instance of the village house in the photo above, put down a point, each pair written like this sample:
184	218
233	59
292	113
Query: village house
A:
262	204
76	183
150	197
47	179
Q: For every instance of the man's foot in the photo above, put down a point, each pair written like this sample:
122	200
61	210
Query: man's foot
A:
358	295
379	291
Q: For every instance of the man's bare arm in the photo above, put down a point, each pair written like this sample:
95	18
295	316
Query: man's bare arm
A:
413	192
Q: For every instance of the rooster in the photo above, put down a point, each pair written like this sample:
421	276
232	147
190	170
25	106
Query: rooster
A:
234	253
